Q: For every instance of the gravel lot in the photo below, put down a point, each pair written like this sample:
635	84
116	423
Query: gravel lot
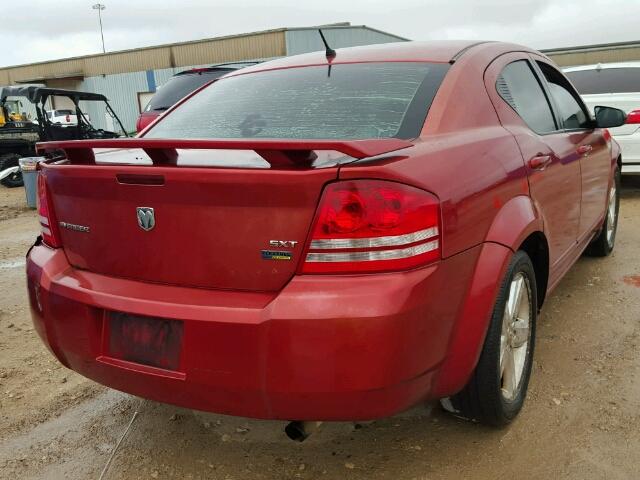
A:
581	420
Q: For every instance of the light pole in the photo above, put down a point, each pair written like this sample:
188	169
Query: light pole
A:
100	7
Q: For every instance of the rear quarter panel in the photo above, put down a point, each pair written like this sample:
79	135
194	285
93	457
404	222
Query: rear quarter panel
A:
474	173
475	168
464	157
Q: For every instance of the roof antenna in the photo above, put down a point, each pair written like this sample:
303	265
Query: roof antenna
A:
329	52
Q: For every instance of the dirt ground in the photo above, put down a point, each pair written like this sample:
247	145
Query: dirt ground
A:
581	420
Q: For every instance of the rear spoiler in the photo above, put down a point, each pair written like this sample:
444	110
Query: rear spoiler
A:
277	152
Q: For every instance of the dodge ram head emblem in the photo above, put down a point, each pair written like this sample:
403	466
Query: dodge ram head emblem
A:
146	218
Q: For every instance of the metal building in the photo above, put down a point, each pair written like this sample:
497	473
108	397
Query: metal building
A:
593	54
129	77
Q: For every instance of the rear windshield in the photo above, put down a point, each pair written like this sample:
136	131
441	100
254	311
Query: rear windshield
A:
606	80
344	101
180	86
59	113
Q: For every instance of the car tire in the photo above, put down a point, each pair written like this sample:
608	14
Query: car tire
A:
498	386
603	244
8	160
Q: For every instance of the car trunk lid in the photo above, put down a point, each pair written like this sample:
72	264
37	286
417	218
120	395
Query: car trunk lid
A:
229	228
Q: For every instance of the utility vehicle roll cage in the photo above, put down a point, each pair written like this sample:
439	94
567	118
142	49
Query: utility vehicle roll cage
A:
38	96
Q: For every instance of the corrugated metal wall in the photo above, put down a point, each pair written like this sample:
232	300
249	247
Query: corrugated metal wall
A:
166	73
121	76
246	47
589	57
122	92
68	68
217	50
308	40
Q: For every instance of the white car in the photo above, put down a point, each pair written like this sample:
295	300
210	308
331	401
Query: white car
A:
65	117
614	85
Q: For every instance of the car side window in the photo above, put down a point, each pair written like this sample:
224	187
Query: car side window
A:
519	87
572	112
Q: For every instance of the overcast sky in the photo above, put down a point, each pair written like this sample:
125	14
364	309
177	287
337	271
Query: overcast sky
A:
39	30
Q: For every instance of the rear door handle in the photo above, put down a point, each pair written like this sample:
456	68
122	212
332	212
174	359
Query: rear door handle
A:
539	162
585	150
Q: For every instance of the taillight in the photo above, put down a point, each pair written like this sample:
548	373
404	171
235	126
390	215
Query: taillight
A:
48	225
633	117
68	118
373	226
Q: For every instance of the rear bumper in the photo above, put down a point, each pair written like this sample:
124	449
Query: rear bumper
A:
323	348
630	147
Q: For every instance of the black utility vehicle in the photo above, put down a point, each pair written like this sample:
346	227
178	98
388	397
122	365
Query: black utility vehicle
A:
19	133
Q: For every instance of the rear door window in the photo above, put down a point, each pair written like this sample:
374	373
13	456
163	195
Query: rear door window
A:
341	101
606	80
519	87
571	109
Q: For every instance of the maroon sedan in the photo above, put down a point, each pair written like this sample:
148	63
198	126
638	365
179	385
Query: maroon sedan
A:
181	85
341	237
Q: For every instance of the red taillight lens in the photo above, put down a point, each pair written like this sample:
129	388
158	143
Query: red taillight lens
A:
633	117
68	118
48	225
373	226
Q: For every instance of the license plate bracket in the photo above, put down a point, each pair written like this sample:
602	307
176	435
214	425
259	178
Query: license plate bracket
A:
152	341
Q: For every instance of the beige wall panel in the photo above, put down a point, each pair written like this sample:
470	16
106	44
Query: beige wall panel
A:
246	47
596	56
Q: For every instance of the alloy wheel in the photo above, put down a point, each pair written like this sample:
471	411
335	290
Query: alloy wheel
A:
611	215
515	335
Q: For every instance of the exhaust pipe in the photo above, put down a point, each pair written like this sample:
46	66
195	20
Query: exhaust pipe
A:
300	431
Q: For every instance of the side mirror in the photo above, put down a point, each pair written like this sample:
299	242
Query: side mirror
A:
609	117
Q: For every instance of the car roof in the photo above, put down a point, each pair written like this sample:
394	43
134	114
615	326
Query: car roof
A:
436	51
601	66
